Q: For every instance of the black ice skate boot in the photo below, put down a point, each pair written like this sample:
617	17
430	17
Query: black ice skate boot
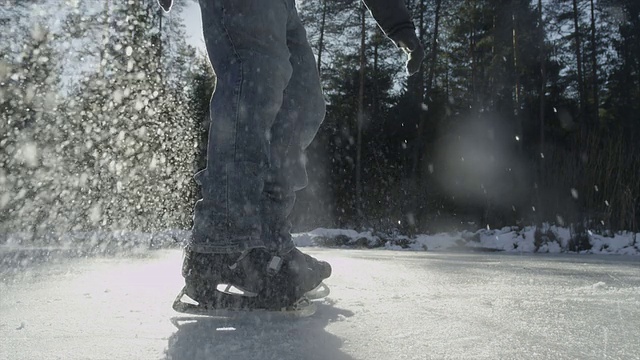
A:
252	280
300	275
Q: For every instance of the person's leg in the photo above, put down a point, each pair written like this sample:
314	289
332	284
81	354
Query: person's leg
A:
247	45
254	162
296	124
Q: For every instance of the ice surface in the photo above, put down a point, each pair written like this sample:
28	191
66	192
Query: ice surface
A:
383	305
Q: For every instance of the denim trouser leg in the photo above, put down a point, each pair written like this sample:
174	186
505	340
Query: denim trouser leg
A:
296	125
260	123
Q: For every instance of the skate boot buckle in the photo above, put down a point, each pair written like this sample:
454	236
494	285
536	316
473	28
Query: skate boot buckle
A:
274	265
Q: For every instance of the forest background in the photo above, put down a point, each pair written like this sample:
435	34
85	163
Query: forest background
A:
524	113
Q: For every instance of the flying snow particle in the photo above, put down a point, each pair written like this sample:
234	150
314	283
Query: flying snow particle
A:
95	213
431	168
50	101
21	194
560	220
128	50
425	107
28	154
4	70
4	200
83	179
38	33
139	105
517	138
117	96
606	202
574	193
154	163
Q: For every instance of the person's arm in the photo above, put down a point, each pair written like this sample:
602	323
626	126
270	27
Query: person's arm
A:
165	4
395	21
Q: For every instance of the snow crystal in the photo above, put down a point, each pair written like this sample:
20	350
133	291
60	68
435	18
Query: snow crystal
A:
154	162
4	200
574	193
28	154
38	33
5	69
117	96
95	213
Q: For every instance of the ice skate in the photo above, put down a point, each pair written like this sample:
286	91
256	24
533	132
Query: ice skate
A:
251	281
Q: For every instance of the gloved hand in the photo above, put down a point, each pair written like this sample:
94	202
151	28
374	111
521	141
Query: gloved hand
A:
165	4
407	40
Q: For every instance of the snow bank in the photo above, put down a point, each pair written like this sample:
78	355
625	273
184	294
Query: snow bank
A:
545	239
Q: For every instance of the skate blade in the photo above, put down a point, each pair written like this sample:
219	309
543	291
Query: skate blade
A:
302	308
321	291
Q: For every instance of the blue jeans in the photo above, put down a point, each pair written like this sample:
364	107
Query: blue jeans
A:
266	109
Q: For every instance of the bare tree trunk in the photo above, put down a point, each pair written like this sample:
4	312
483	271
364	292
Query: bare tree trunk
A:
516	73
421	32
472	57
376	46
323	23
434	47
594	65
360	113
543	77
578	49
